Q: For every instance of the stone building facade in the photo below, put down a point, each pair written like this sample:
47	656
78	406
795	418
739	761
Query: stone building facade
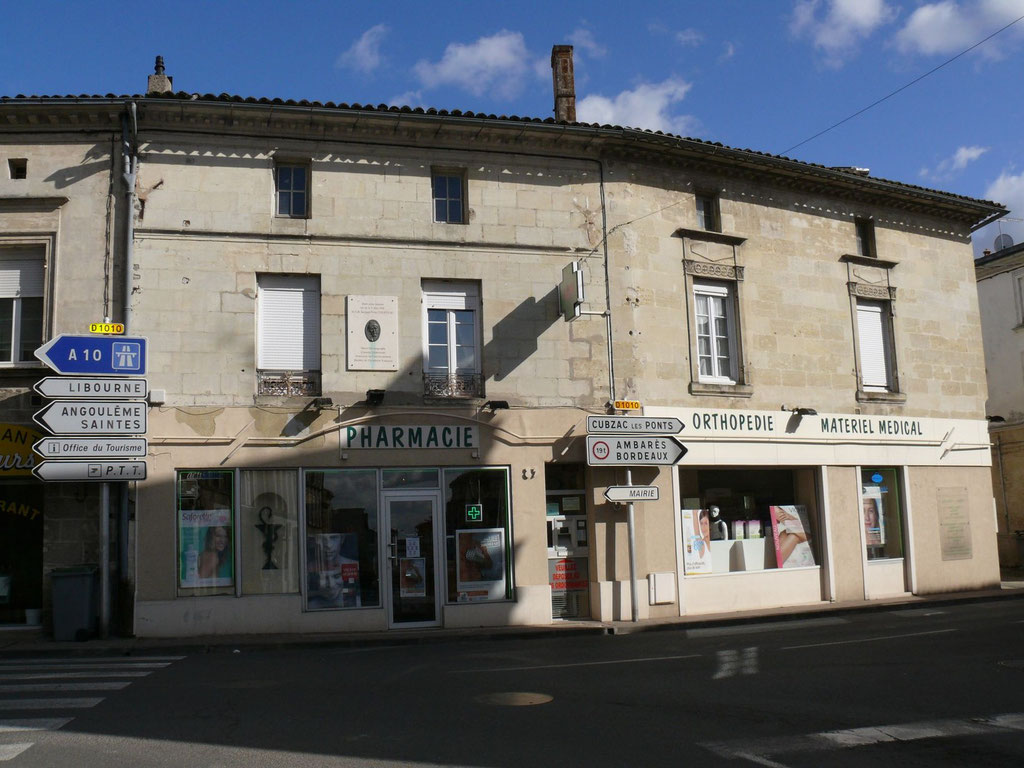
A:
368	408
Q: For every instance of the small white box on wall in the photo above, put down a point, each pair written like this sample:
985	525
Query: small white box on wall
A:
661	588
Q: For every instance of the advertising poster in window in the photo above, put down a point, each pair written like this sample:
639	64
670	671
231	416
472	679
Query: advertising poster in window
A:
696	541
480	569
412	580
332	565
874	519
205	529
791	530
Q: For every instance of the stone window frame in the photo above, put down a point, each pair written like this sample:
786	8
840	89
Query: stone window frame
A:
291	161
698	268
713	208
447	171
861	288
47	242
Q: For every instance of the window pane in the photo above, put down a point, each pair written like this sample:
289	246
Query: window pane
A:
6	329
342	568
705	366
284	177
437	358
299	179
436	315
440	186
465	334
476	520
409	478
298	204
270	532
440	210
880	492
455	187
284	200
31	326
466	361
455	212
206	562
437	333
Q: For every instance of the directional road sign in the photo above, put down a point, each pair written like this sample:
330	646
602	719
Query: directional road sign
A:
94	417
91	447
631	493
614	451
633	425
92	388
100	471
95	355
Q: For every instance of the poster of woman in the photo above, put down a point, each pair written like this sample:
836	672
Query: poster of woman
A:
791	529
874	521
480	567
206	550
696	541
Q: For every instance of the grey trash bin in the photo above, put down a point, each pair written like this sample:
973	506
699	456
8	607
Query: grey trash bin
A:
74	602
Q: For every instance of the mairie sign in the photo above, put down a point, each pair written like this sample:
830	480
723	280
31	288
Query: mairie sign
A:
95	355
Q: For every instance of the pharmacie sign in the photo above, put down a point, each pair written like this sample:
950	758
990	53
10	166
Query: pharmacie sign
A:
410	437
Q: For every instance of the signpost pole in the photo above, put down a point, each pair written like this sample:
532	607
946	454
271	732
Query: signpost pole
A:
631	527
104	627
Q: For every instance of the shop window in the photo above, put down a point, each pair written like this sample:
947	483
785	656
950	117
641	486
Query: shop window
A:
449	191
291	184
748	520
342	539
874	332
288	335
21	304
568	540
451	339
715	314
269	520
880	499
21	548
477	534
206	532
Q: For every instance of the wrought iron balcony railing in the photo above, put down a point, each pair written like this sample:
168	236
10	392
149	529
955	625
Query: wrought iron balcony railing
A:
288	383
453	385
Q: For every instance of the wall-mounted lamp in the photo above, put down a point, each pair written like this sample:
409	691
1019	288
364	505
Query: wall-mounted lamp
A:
322	402
800	411
496	405
375	396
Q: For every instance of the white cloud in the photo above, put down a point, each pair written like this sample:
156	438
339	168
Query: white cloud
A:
689	37
407	99
495	64
646	106
728	51
957	162
364	55
838	30
949	27
584	40
1008	189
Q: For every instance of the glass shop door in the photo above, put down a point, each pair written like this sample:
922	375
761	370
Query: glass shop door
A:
412	525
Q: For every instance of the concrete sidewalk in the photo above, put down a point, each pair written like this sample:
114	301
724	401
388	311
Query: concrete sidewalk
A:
20	640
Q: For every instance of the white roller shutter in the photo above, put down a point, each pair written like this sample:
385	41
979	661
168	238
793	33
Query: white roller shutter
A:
874	358
288	323
20	274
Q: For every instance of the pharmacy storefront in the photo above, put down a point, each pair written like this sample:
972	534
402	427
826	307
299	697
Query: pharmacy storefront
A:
795	507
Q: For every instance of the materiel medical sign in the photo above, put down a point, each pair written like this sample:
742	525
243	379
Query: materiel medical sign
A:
95	355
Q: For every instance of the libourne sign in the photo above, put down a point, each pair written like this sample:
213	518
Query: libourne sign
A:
633	425
95	355
619	451
100	471
631	493
88	417
99	388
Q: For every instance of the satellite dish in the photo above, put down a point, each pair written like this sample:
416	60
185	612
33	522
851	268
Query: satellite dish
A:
1003	241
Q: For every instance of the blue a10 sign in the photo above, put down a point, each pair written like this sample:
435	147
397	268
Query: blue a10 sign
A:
95	355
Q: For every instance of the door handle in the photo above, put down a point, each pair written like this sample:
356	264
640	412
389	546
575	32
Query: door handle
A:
392	550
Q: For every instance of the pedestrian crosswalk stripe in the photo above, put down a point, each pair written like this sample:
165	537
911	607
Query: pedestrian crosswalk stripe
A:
51	687
49	703
73	675
17	724
81	665
11	751
90	660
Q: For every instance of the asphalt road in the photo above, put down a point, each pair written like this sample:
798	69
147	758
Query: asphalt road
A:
940	686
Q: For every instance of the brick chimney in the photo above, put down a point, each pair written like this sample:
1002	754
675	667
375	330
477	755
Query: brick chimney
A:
564	83
159	82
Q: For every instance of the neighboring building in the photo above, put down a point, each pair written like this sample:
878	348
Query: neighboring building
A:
1000	278
367	410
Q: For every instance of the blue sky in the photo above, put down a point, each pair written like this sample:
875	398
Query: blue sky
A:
758	74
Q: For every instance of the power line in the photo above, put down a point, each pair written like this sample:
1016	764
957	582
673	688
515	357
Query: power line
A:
901	88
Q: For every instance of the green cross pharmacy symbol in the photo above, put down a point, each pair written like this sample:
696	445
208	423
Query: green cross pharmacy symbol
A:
474	513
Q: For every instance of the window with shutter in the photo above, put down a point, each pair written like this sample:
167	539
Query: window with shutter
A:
288	335
714	314
22	279
874	332
451	339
